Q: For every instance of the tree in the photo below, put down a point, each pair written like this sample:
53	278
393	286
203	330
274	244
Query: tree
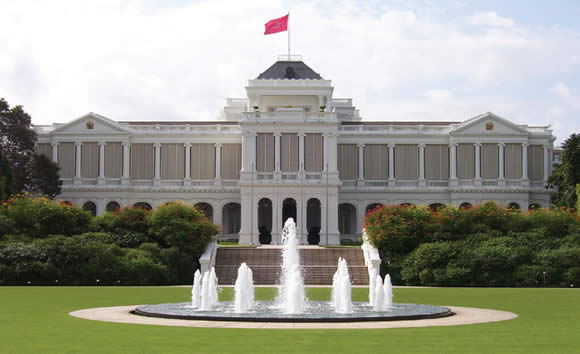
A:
6	178
18	140
45	178
567	174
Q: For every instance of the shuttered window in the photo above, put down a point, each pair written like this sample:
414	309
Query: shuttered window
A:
489	161
347	161
376	161
314	152
265	152
436	162
202	161
465	161
289	152
172	161
536	162
66	160
513	161
231	161
89	160
406	161
142	161
113	160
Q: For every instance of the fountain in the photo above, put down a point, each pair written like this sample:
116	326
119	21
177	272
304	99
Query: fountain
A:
291	304
244	290
341	289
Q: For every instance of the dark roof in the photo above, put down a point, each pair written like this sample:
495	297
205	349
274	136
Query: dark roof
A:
289	70
397	123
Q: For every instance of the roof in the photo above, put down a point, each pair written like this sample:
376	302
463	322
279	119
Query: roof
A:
289	70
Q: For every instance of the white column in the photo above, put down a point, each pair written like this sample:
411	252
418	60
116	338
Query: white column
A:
477	181
332	154
157	178
361	176
54	152
453	165
422	182
101	179
218	164
325	152
525	180
77	179
301	152
126	156
277	155
501	178
187	176
547	162
391	164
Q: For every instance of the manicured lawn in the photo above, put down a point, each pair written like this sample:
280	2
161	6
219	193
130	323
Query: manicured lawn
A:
36	320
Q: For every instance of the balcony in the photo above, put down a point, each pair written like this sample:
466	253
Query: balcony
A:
289	117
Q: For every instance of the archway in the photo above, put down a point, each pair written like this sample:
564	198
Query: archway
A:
265	220
112	207
465	206
372	207
143	205
514	206
436	206
231	218
313	218
346	219
91	208
534	206
206	209
289	210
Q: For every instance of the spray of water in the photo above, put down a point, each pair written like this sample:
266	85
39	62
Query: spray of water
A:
341	289
291	298
244	290
196	290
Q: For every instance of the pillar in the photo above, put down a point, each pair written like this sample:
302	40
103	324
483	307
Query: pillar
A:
453	165
157	178
547	162
126	156
501	177
301	153
325	153
391	165
77	179
54	152
101	179
422	182
218	164
477	180
187	175
525	180
277	156
361	176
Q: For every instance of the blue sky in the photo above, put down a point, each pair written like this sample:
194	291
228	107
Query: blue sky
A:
398	60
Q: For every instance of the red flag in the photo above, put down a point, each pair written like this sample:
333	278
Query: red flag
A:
277	25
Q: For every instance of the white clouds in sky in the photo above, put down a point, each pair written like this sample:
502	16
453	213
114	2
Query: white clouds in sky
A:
131	60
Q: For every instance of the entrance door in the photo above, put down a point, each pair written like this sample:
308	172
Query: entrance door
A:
288	210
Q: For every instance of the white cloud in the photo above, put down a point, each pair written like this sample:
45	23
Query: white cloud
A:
132	61
490	19
561	89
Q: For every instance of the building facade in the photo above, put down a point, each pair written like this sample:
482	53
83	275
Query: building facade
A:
290	149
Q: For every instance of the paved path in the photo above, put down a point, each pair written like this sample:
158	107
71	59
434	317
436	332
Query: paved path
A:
463	316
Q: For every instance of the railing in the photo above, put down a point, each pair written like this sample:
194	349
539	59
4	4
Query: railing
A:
113	182
539	129
89	181
489	182
536	183
230	183
290	116
349	183
172	183
203	183
401	183
289	176
466	182
395	129
313	176
265	176
289	57
186	128
142	182
437	183
375	183
513	182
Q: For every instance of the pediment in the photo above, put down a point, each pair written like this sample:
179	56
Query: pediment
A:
91	123
488	124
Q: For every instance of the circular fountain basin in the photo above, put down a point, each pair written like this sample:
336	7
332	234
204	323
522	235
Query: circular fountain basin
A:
317	311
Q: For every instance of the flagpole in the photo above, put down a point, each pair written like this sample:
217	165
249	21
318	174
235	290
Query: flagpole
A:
288	35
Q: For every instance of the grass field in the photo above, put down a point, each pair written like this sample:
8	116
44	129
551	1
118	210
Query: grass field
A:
36	320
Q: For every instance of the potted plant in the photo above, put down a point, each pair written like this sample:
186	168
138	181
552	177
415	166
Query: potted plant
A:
322	108
256	108
314	235
265	236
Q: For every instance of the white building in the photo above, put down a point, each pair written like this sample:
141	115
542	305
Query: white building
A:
291	149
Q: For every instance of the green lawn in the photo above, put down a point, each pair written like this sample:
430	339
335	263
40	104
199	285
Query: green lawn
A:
36	320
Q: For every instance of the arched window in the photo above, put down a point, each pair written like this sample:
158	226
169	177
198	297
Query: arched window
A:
206	209
465	206
436	206
289	210
112	206
534	206
372	207
231	218
142	205
346	219
90	207
514	206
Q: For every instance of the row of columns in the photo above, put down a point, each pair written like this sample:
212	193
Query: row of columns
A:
249	152
453	163
126	158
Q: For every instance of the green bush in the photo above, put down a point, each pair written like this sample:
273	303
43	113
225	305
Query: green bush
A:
124	220
41	217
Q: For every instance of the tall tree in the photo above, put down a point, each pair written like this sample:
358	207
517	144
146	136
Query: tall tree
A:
18	140
45	178
567	174
6	178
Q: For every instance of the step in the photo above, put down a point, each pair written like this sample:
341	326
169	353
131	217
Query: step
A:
319	264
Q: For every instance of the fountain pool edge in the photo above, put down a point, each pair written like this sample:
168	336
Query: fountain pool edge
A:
463	316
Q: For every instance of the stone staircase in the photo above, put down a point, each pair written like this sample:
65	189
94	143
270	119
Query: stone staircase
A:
319	264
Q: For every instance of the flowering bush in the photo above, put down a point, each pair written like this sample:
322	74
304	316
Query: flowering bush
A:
41	217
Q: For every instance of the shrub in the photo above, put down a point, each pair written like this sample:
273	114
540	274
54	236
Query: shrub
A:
128	219
41	217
